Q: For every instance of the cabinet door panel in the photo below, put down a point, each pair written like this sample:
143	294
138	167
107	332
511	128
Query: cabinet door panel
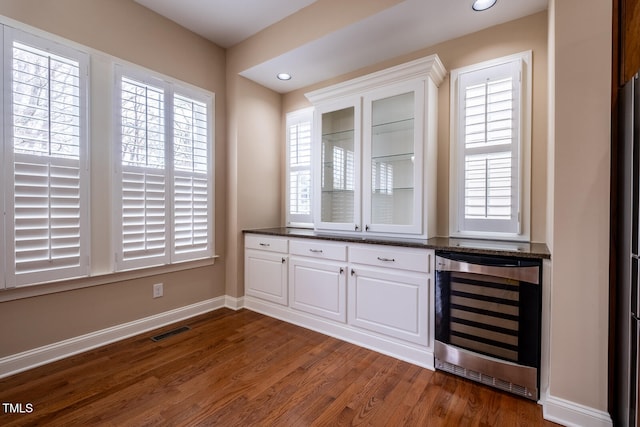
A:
337	159
318	288
393	122
394	303
266	276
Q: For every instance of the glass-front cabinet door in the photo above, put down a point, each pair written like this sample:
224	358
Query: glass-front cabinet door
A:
393	152
338	158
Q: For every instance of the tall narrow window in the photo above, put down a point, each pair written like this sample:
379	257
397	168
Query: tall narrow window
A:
192	203
299	168
143	175
164	172
47	198
487	148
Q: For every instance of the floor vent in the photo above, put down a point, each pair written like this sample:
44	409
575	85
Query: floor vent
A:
170	333
484	379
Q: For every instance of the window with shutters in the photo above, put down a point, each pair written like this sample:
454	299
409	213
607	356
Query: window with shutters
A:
299	186
490	149
45	161
163	173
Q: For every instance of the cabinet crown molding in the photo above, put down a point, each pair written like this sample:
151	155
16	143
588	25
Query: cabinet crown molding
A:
427	67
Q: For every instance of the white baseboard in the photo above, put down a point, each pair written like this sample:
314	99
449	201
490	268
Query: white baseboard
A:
42	355
572	414
234	303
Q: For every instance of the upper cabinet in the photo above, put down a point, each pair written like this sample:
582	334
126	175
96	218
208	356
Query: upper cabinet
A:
336	154
374	150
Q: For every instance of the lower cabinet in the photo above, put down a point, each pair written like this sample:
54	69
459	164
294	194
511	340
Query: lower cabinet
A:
390	291
393	303
265	269
318	287
377	296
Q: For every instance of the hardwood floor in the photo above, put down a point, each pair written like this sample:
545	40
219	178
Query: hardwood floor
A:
244	369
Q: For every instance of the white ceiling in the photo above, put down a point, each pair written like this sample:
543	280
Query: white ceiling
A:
409	26
225	22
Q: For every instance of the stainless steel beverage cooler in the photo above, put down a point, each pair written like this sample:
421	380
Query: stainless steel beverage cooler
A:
488	320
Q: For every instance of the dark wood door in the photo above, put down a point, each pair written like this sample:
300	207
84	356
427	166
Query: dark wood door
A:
629	39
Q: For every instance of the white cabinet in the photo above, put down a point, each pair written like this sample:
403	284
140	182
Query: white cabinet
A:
390	292
393	159
336	151
375	295
265	268
318	287
375	151
317	278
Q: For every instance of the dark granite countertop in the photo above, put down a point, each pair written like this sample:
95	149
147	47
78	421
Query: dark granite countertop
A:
476	246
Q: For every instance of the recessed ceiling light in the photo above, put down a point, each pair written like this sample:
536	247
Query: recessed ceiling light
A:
480	5
284	76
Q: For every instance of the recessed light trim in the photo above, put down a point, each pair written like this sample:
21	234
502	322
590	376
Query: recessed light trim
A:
284	76
480	5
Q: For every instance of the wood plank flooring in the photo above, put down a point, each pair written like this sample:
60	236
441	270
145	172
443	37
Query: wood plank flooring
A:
245	369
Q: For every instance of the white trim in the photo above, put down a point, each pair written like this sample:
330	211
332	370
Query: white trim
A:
429	66
234	303
50	353
526	95
573	414
45	288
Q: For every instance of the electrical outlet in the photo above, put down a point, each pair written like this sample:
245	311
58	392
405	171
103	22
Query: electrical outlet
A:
157	290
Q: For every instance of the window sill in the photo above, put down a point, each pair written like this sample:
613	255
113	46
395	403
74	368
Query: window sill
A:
35	290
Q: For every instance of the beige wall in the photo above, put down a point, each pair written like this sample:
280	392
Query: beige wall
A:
123	29
255	162
529	33
580	213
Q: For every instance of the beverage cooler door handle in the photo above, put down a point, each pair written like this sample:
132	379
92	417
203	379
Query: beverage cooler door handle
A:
529	274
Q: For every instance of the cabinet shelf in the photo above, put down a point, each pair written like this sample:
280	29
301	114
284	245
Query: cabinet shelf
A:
391	158
345	135
389	191
393	127
332	191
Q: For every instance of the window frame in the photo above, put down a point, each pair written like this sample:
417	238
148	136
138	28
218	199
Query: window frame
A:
170	90
488	228
295	118
10	277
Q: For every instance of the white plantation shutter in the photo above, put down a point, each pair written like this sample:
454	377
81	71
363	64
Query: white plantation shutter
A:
144	208
299	167
143	178
192	210
47	203
164	175
488	145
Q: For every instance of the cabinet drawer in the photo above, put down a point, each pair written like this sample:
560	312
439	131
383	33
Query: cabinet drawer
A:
266	243
319	249
391	257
